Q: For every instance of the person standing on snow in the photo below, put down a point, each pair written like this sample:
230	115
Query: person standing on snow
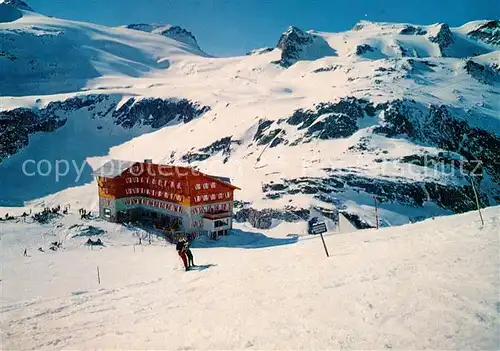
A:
181	250
189	254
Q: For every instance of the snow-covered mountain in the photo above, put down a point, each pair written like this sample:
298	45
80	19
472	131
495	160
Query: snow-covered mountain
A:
169	31
384	110
428	285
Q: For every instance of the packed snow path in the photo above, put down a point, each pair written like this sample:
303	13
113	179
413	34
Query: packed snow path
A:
431	285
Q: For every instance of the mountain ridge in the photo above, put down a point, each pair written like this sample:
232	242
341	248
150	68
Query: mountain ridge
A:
391	111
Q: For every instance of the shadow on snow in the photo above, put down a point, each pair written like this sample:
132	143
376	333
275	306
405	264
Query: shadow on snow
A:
238	238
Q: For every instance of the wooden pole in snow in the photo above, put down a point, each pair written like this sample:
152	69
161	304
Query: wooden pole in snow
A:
477	198
98	276
324	244
376	211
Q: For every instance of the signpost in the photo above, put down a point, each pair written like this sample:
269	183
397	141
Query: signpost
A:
320	228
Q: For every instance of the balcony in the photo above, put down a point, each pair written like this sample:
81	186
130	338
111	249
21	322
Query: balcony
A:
217	215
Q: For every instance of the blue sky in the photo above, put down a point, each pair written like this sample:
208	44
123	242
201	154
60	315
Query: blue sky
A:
234	27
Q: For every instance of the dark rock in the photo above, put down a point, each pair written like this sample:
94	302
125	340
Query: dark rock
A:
487	74
356	221
21	122
173	32
443	38
488	33
294	44
396	120
264	124
333	127
363	49
262	219
411	30
223	144
328	68
157	112
291	43
342	121
18	124
259	51
20	4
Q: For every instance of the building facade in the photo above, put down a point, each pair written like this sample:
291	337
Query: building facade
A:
172	198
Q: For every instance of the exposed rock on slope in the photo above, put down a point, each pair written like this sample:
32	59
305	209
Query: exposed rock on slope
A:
443	38
18	124
488	32
296	45
20	4
157	112
169	31
484	72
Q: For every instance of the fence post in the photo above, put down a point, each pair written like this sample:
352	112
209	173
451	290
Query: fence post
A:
98	276
376	211
477	198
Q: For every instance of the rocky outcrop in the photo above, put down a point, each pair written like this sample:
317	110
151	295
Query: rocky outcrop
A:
291	44
402	191
329	120
437	126
20	4
263	219
157	112
328	68
296	45
204	153
488	33
443	38
411	30
326	121
17	125
174	32
396	120
261	51
485	73
363	49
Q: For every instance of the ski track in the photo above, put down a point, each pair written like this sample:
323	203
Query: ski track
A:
428	285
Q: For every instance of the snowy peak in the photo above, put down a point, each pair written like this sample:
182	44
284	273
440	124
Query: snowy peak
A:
488	32
173	32
443	37
22	5
296	45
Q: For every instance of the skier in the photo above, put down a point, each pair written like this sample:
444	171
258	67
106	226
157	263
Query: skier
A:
189	254
181	250
25	252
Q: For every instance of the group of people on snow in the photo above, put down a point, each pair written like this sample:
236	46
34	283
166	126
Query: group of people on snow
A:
184	251
84	214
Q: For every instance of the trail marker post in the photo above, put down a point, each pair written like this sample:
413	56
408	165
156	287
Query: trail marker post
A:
376	211
320	228
477	198
98	276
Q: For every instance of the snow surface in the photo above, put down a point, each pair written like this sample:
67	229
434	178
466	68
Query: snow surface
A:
240	91
431	285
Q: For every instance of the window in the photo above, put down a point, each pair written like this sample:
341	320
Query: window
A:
107	213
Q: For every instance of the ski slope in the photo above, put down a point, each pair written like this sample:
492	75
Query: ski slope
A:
34	44
430	285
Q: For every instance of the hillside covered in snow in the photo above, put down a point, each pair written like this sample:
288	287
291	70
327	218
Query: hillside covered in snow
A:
429	285
392	111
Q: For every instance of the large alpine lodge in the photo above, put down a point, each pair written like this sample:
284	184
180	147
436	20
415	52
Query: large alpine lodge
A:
175	199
